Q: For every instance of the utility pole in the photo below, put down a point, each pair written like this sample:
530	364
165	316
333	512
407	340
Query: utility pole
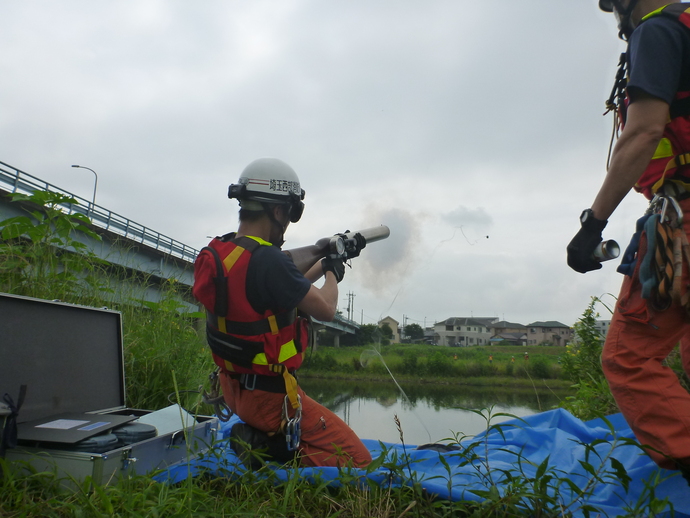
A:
404	326
350	306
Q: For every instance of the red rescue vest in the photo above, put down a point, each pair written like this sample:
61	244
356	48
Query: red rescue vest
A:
241	339
672	156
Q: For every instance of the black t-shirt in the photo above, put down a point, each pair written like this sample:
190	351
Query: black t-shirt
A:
659	58
273	281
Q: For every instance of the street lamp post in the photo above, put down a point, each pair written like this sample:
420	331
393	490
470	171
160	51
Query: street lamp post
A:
95	186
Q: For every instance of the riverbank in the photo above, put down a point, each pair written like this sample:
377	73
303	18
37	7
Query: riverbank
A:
506	366
559	385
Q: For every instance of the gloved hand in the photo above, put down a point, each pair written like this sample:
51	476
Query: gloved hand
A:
582	246
335	265
355	245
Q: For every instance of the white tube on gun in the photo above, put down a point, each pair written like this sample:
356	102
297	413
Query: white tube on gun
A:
606	251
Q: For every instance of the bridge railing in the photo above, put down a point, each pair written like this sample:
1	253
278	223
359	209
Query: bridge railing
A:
341	323
15	180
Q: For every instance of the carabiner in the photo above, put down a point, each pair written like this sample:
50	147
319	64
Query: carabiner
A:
679	211
293	430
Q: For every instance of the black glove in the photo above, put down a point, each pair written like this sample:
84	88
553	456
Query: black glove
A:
335	265
581	248
355	245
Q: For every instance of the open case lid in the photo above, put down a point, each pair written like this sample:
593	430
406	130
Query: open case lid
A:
69	357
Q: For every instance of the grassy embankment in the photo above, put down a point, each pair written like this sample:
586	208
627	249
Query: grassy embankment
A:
444	365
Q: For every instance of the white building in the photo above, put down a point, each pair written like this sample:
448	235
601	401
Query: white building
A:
464	332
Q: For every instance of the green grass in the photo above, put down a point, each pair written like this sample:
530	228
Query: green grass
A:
505	492
430	363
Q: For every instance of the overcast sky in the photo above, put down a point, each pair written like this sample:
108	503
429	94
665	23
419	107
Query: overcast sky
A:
474	130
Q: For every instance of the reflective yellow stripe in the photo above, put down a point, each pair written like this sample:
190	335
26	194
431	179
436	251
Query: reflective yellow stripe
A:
287	351
259	240
232	257
221	325
671	164
655	12
664	149
260	359
273	323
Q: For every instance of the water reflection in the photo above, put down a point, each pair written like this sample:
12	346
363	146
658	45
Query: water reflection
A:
430	413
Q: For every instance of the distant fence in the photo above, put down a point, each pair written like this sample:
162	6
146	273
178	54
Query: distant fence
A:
15	180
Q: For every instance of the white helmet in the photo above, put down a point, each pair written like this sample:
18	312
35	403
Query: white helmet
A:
269	180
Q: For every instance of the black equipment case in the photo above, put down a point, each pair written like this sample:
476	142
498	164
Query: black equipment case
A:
73	418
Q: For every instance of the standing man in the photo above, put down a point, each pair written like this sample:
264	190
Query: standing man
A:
258	304
651	156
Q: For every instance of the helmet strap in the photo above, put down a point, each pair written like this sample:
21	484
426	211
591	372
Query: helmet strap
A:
268	209
624	17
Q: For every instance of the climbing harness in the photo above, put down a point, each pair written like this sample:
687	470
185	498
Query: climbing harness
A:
241	339
260	350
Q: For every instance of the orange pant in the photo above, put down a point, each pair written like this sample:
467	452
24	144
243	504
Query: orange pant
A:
653	402
326	439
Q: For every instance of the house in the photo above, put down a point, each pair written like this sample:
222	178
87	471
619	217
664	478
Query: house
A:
508	333
602	326
463	332
393	324
548	333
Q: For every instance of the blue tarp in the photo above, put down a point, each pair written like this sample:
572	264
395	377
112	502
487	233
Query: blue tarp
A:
520	447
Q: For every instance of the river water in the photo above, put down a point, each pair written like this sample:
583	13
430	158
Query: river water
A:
427	412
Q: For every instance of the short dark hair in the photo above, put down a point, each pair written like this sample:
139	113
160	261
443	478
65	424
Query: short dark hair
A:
251	215
256	215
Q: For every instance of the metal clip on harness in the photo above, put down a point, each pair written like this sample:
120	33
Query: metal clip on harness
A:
293	430
659	205
215	398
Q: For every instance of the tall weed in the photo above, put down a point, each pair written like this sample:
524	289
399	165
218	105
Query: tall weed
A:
40	255
582	365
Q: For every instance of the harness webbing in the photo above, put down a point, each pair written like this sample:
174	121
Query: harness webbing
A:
290	383
272	324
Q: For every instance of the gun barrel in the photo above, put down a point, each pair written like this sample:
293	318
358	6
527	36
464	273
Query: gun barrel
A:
372	234
306	256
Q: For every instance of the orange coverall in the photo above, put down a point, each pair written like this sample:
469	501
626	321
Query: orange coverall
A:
649	395
321	428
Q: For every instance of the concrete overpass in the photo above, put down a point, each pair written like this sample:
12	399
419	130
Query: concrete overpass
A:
339	327
125	243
